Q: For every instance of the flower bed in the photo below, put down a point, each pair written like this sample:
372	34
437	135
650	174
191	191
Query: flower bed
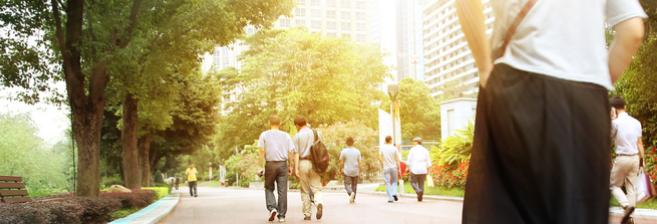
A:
450	176
68	208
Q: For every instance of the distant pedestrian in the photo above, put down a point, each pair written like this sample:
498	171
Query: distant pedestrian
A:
191	178
177	182
419	162
303	168
626	131
351	167
276	147
390	163
541	145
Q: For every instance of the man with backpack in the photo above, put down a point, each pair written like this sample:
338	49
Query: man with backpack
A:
303	167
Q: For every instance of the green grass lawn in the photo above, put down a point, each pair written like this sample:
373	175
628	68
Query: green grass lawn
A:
124	212
442	191
649	204
214	183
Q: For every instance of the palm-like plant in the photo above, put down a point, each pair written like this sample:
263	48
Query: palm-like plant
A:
456	148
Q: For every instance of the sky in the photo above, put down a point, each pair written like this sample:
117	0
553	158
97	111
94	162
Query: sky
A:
51	120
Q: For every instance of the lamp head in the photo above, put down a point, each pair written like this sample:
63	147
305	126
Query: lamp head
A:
393	90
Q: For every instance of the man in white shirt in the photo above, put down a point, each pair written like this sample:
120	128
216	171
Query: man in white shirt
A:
419	162
626	131
389	159
541	146
277	148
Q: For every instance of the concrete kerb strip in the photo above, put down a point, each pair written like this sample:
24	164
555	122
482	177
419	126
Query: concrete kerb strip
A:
152	213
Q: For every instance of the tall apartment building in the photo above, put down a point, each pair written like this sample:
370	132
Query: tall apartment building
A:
396	25
446	53
333	18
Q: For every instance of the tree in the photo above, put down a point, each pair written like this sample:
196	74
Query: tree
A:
294	72
419	112
365	139
85	38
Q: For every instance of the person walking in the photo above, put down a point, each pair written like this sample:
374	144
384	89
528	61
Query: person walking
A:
389	159
541	145
276	148
626	131
419	162
303	168
177	182
191	179
351	168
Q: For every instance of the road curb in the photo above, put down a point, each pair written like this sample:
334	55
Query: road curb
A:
152	213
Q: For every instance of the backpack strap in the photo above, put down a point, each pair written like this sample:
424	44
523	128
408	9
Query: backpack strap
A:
316	139
498	53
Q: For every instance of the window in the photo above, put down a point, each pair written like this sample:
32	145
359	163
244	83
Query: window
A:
330	25
330	3
300	12
316	13
346	26
314	2
299	22
302	2
346	35
330	14
331	34
345	4
346	15
360	5
360	26
284	22
360	15
360	37
316	24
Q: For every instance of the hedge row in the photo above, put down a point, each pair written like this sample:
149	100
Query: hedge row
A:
68	208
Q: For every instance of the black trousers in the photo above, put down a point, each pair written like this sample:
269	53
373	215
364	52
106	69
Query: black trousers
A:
417	182
276	172
540	153
192	186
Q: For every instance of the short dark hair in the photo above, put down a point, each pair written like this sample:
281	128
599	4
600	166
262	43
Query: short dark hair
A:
190	163
350	141
300	121
388	139
275	120
617	102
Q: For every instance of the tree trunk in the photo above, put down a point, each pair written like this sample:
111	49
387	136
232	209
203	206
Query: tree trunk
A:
144	159
129	143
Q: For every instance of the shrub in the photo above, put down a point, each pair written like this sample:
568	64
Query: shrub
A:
456	148
99	209
158	177
65	211
24	213
162	185
160	192
450	175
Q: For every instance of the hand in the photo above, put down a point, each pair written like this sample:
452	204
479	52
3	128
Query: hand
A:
642	162
289	171
296	173
613	113
484	74
361	175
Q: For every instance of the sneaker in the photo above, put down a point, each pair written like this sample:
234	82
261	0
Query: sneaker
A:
319	211
395	197
351	197
272	214
306	218
281	219
196	196
419	195
626	215
390	201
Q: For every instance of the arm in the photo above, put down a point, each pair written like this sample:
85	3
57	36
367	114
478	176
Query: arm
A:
398	163
360	168
290	158
381	160
341	167
296	164
261	157
472	19
629	35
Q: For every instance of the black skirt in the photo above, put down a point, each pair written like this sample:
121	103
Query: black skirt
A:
541	151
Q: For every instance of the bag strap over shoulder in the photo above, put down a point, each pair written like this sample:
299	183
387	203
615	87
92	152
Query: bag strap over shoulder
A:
316	139
498	53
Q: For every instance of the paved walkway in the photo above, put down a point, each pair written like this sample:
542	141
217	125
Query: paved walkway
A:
229	205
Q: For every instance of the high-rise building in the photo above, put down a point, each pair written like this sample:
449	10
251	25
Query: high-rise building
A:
447	58
333	18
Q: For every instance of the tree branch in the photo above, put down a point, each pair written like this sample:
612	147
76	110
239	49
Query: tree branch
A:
133	17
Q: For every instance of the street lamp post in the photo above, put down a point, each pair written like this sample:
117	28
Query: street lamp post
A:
210	167
393	90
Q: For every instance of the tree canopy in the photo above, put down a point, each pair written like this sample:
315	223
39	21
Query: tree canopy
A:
419	112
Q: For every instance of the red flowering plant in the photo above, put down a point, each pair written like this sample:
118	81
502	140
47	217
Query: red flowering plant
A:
651	162
452	160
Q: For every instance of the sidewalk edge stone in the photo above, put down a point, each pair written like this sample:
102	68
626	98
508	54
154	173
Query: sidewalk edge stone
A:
152	213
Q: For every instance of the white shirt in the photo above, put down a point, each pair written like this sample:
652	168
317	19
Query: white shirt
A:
626	131
561	38
277	145
390	155
418	160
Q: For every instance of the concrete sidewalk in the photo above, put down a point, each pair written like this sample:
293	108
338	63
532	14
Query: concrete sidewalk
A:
152	213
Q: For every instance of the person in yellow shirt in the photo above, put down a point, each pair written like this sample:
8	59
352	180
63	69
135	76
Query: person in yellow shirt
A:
191	178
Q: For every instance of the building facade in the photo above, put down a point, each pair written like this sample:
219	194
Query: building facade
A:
447	59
